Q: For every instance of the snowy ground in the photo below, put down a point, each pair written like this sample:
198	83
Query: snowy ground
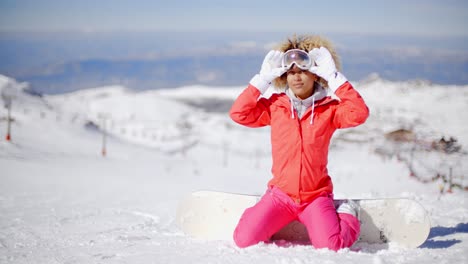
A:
62	202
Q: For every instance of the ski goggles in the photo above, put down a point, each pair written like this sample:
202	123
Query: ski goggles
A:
298	57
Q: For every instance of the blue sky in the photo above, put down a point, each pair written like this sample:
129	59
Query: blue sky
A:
417	17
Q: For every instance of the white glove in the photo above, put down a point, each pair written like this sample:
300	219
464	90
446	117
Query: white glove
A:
271	69
326	68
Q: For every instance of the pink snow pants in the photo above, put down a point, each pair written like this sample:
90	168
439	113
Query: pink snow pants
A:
325	227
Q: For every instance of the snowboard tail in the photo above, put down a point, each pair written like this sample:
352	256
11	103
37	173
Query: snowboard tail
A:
214	215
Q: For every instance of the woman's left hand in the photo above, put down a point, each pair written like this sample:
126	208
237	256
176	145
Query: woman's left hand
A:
325	65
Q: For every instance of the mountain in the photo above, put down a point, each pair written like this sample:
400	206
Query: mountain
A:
62	201
226	69
54	63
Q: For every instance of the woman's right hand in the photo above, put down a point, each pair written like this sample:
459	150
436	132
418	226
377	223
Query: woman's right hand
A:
271	66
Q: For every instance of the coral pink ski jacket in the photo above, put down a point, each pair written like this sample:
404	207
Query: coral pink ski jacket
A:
300	146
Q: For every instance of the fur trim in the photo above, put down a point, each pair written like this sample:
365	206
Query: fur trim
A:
306	43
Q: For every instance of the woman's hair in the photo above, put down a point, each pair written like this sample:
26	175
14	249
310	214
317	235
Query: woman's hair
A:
306	43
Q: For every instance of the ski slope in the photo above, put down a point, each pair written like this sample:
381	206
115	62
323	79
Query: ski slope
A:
61	201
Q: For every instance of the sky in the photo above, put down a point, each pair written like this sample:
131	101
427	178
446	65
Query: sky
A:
417	17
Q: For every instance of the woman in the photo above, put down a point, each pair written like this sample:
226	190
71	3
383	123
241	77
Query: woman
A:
317	100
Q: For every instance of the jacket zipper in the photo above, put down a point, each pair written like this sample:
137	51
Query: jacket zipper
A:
298	200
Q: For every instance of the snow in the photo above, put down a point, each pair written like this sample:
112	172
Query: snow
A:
62	202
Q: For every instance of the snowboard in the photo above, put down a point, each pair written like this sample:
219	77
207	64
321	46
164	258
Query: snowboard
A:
214	215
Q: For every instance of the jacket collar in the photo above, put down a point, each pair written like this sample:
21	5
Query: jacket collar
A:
320	97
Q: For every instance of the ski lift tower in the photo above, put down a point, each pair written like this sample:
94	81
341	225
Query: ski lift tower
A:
103	117
8	95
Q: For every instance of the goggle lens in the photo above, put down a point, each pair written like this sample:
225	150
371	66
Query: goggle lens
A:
298	57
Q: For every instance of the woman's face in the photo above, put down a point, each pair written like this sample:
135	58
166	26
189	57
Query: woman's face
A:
301	82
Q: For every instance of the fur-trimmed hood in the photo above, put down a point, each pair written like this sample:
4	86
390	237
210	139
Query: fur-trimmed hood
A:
306	43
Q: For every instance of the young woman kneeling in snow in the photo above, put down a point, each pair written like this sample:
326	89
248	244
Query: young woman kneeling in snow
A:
317	99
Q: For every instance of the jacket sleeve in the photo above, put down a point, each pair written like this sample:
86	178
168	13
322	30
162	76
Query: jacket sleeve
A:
249	110
351	110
